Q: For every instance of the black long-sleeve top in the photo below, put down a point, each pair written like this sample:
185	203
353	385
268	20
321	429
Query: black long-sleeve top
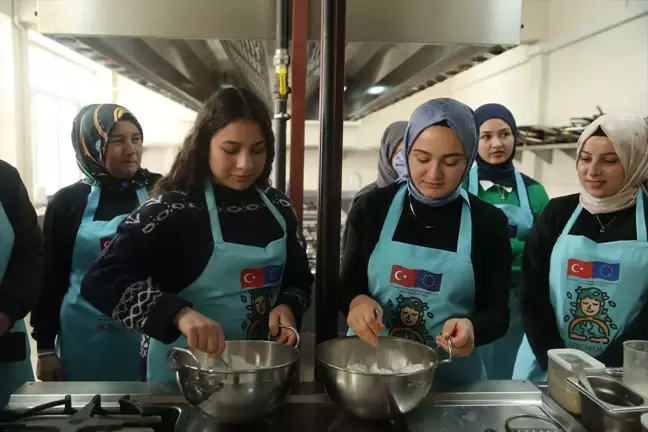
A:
61	225
538	315
490	253
21	284
165	245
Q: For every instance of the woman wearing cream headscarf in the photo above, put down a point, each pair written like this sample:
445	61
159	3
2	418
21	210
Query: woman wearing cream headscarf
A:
584	278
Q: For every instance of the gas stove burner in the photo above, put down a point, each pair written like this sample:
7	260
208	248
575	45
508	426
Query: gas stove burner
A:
60	416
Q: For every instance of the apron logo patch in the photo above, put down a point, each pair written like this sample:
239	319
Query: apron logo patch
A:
104	242
409	319
258	312
588	320
593	270
418	279
261	276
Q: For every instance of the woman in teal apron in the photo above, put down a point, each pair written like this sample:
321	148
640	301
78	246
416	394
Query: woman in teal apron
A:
217	254
424	254
494	179
584	271
75	341
21	272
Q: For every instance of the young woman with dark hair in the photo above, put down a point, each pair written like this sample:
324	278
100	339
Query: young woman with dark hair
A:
217	254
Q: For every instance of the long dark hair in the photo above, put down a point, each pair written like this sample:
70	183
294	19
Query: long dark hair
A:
191	166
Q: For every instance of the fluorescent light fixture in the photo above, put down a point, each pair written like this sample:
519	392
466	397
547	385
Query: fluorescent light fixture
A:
376	90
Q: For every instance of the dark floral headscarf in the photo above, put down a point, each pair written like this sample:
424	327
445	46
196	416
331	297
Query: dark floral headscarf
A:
91	129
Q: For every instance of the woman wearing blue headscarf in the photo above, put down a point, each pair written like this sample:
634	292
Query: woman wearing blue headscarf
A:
433	261
495	180
75	341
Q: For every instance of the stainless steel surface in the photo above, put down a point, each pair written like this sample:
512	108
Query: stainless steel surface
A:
472	409
370	395
231	395
615	407
185	50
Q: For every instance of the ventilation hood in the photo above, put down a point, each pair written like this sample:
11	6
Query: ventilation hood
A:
187	49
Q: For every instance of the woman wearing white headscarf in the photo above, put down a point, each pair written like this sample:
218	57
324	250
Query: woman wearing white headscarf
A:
584	278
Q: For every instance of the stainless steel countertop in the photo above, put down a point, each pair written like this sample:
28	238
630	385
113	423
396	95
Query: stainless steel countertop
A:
471	409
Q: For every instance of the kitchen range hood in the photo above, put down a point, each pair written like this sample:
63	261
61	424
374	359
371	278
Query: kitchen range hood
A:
186	49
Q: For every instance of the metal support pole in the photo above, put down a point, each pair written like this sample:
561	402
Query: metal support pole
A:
330	170
280	92
298	104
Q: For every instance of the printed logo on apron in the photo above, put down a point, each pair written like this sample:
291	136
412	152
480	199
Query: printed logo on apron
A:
409	314
589	317
409	319
422	280
261	277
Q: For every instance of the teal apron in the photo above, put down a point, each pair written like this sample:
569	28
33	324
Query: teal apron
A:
596	290
236	289
420	288
12	375
499	356
93	346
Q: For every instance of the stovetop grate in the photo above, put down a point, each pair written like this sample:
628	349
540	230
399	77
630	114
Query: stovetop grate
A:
61	416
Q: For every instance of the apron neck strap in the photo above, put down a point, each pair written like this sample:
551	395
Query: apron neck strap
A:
92	204
473	180
523	196
640	217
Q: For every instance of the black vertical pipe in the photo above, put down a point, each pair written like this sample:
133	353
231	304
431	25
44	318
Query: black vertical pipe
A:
330	168
281	90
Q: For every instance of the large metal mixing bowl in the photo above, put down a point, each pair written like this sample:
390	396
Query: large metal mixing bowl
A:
369	395
230	394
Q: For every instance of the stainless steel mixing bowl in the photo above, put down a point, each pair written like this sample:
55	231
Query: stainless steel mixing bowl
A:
236	395
369	395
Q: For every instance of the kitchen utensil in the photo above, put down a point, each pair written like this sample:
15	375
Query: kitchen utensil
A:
614	407
614	371
635	365
582	377
369	395
233	395
561	364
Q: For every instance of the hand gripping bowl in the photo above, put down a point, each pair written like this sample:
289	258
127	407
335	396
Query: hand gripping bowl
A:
231	394
371	395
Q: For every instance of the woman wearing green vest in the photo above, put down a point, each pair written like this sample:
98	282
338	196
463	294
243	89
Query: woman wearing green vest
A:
495	180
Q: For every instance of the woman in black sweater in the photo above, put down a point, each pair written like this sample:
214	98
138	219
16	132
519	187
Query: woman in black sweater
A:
584	272
433	261
21	273
80	220
218	253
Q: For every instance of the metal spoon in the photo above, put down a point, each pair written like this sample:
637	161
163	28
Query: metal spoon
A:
378	355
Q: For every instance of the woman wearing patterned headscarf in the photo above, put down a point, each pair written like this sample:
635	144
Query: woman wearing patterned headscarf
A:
584	278
495	180
75	341
432	262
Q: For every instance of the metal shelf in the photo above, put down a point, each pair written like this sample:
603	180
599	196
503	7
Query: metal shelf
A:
545	151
